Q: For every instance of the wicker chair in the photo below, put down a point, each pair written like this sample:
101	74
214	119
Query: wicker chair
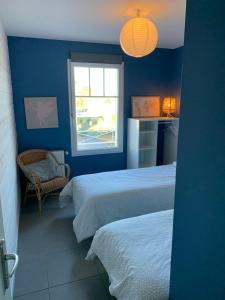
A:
34	185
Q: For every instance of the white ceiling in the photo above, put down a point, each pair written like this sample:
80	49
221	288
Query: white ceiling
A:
91	20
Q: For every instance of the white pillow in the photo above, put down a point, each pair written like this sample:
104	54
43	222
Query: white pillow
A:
55	169
45	169
41	169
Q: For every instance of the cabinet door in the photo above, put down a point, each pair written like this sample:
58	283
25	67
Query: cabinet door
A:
133	144
5	274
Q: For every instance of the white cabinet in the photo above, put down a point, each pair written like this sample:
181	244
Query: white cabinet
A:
142	142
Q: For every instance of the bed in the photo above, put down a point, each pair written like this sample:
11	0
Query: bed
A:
102	198
136	254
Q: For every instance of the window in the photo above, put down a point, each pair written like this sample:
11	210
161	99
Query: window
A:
96	108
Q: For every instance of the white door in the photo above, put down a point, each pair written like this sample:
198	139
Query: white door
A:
5	274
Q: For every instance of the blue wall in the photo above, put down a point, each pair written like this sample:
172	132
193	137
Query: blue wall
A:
198	257
177	74
39	68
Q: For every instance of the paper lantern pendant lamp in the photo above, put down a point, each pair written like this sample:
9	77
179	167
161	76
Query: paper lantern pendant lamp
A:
139	37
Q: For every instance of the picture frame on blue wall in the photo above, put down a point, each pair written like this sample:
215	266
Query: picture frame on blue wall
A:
146	106
41	112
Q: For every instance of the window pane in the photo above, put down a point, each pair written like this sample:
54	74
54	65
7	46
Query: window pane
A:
96	120
81	77
111	82
96	79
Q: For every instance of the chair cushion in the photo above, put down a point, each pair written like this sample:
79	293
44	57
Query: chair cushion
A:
46	169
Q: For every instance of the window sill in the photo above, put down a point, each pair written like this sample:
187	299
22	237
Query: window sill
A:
96	152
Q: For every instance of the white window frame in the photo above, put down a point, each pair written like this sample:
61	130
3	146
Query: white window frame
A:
120	119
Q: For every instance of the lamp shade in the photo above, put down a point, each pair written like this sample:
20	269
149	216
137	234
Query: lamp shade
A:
139	37
169	105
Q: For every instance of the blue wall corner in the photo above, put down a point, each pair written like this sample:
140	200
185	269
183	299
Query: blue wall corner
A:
39	68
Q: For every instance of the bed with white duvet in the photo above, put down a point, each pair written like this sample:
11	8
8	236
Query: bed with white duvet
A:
136	254
106	197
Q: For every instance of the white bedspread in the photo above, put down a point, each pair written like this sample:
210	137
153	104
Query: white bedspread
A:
136	254
102	198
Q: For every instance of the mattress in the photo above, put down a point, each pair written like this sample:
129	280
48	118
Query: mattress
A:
106	197
136	254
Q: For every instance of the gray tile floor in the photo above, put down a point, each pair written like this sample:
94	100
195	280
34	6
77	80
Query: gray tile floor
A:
52	264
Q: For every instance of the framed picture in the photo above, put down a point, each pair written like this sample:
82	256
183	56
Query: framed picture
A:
145	106
41	112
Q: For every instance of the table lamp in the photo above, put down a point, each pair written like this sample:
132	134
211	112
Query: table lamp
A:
169	106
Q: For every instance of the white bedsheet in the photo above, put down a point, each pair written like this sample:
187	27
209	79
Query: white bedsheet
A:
102	198
136	254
